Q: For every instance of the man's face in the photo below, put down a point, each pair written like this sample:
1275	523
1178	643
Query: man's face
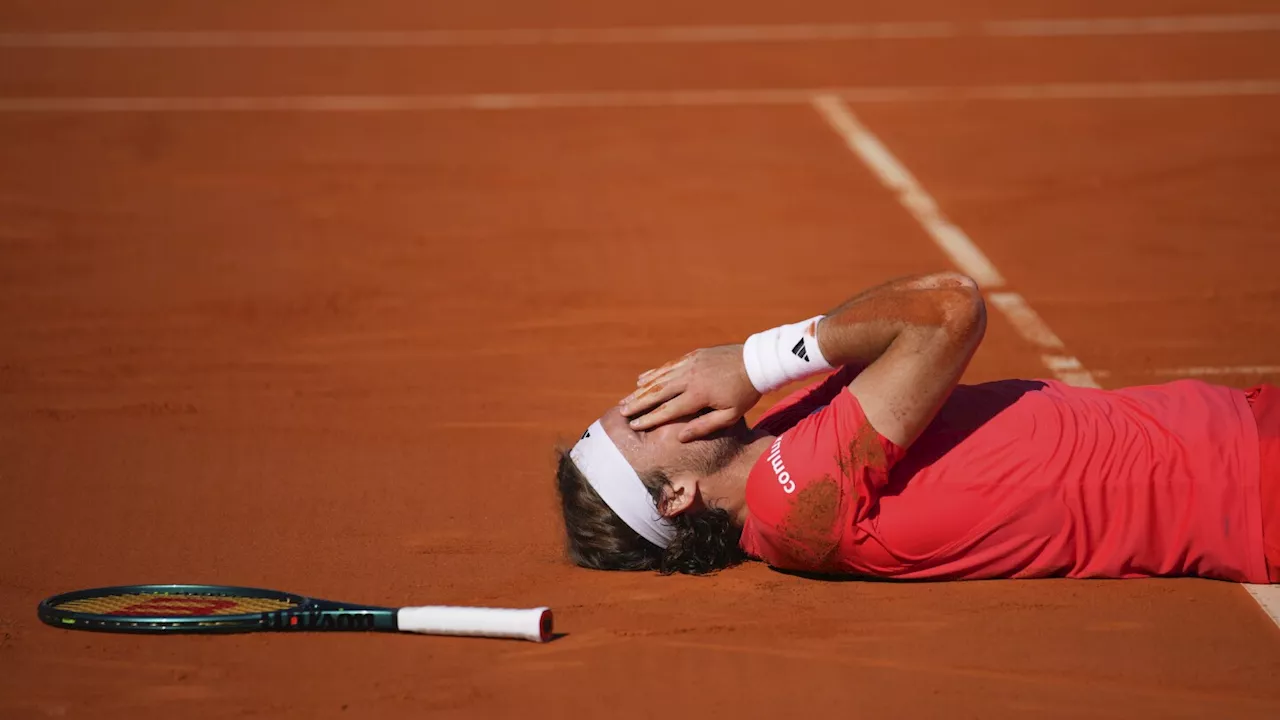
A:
659	448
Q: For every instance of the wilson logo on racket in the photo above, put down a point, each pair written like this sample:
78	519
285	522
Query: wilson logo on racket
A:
317	620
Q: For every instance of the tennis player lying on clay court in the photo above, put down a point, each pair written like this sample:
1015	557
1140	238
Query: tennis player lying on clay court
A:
889	468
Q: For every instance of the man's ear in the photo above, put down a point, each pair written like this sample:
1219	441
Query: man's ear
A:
679	495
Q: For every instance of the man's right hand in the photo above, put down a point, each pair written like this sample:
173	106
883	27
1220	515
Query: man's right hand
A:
708	379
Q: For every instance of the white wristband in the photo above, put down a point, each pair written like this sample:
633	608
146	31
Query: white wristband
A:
784	354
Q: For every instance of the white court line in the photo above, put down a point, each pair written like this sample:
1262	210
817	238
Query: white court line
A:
1028	324
643	98
1169	25
948	237
951	239
692	34
1196	371
1218	370
1268	596
1070	370
1026	321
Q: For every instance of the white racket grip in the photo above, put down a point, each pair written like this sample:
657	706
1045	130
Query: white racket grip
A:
525	624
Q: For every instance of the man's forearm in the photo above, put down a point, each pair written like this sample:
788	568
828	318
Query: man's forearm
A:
861	329
909	338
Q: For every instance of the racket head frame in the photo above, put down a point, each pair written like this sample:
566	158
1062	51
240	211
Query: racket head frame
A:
243	622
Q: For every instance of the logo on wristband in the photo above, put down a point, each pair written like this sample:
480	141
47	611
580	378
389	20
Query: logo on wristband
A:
799	351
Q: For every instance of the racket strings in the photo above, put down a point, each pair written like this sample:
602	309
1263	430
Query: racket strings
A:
173	605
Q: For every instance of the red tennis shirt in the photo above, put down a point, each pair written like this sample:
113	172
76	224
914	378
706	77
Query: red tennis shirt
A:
1014	479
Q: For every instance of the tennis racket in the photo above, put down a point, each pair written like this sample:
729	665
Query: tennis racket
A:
227	609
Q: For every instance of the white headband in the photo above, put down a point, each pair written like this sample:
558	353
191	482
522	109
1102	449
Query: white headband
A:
619	486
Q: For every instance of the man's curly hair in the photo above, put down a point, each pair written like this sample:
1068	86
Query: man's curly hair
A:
595	537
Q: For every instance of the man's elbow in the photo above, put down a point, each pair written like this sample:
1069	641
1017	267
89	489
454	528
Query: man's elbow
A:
945	280
963	307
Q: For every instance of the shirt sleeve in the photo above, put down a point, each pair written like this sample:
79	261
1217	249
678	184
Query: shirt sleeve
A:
814	483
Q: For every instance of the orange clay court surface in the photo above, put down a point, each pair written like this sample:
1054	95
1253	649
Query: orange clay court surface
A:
310	311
